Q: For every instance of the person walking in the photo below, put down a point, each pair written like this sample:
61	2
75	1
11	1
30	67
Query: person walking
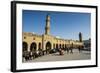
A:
71	50
67	50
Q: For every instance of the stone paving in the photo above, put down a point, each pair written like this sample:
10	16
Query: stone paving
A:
83	55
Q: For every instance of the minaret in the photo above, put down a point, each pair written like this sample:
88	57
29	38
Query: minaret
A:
80	36
47	27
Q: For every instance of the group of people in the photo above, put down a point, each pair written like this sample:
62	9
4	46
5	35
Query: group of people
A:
30	55
70	50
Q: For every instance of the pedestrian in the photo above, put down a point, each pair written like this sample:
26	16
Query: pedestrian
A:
30	55
33	54
37	53
71	50
26	55
67	50
61	52
79	48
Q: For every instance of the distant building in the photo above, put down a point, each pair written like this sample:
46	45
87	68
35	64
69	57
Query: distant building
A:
34	42
87	43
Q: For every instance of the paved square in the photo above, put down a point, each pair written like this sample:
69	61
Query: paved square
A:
83	55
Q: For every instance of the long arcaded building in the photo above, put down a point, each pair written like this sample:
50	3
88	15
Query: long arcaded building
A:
45	42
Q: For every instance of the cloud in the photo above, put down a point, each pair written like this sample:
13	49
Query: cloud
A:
33	32
58	37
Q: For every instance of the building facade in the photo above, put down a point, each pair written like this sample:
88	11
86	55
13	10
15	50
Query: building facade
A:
45	42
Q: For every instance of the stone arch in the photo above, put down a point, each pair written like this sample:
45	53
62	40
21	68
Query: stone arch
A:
33	46
56	45
39	45
25	46
48	47
60	46
65	46
53	45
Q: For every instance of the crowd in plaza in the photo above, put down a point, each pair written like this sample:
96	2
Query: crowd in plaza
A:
31	55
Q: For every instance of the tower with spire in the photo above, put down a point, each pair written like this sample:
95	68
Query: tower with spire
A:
47	27
80	36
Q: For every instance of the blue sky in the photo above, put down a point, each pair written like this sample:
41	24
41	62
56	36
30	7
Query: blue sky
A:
66	25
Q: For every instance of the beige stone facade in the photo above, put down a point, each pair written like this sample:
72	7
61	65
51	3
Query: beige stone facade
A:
46	41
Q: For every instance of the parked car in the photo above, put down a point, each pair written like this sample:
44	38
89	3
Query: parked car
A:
54	50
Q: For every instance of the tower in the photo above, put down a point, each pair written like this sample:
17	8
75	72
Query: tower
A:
47	27
80	36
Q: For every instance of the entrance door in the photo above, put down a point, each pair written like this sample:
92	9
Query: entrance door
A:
25	46
33	47
48	47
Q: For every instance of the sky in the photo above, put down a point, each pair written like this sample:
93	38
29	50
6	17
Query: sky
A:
66	25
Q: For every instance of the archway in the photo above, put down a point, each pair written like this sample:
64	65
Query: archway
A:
39	46
66	46
63	46
33	46
53	46
25	46
57	46
60	45
48	47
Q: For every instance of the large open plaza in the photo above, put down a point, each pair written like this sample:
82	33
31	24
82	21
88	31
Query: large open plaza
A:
76	55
